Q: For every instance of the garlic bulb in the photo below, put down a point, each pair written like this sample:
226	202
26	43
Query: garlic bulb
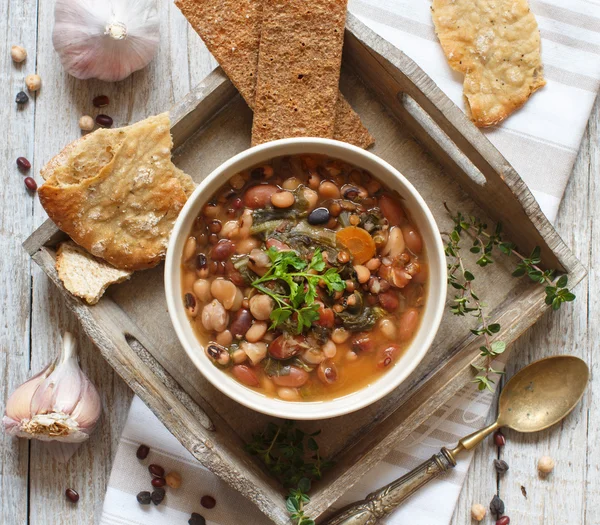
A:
60	403
108	39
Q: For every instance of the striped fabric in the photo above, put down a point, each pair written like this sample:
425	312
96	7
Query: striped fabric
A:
541	141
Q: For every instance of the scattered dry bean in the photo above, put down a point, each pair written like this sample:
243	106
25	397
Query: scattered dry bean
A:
18	54
478	512
23	164
72	495
208	502
196	519
30	184
158	495
501	466
497	506
86	123
504	520
173	479
545	465
33	82
144	497
142	452
499	438
100	101
21	97
104	120
156	470
158	482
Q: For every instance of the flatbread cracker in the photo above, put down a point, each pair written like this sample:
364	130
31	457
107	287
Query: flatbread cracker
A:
496	44
83	274
299	63
116	192
231	31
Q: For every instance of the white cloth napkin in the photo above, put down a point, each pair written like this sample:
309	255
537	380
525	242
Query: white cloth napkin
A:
541	141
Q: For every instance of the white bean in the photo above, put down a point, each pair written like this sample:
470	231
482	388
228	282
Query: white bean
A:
261	306
237	302
340	335
256	352
245	246
329	349
362	273
239	356
225	291
288	394
202	290
214	316
395	244
256	332
387	328
189	250
224	338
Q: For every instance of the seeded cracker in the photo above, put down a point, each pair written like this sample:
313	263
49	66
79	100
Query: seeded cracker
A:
496	44
298	69
116	192
231	31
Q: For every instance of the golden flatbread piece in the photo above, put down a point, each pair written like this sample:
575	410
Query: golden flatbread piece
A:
496	44
116	192
83	274
299	63
231	31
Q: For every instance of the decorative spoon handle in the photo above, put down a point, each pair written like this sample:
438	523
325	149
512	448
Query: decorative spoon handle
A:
383	501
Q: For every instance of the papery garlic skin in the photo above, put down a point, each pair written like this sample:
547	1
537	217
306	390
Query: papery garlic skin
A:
108	39
60	403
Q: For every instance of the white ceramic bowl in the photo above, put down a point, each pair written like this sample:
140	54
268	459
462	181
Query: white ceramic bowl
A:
436	293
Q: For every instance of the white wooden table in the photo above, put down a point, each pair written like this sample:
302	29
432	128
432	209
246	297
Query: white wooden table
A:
32	484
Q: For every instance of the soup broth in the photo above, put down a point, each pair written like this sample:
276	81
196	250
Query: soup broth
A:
304	278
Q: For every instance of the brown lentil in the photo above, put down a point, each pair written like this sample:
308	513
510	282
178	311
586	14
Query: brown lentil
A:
72	495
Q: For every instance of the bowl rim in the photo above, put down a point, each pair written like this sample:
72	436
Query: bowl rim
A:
299	410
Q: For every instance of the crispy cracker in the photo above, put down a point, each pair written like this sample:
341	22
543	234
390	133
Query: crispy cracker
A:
496	44
116	192
231	31
83	274
299	63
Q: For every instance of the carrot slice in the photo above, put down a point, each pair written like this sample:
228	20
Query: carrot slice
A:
358	242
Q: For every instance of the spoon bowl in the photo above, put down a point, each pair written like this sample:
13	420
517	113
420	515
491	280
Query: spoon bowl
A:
543	393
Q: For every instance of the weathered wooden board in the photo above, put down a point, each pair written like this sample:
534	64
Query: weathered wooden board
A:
452	162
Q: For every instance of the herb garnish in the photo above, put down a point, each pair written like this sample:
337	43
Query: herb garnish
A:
468	302
296	288
292	456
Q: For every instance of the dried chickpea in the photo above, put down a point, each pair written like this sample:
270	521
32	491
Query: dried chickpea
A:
173	479
18	54
545	465
478	512
33	82
86	123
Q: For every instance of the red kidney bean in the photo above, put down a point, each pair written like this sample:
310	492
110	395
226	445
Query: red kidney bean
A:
363	342
296	378
408	324
241	323
158	482
389	300
259	196
222	250
504	520
285	347
387	355
391	209
208	502
278	245
72	495
156	470
23	164
104	120
245	375
30	184
142	451
499	438
101	101
326	316
412	239
327	372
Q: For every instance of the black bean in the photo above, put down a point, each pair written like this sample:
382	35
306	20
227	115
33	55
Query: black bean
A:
497	506
21	98
196	519
104	120
318	216
208	502
142	451
23	164
501	466
158	495
100	101
156	470
72	495
144	497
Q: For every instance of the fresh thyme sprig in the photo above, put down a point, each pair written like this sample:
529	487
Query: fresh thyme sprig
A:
292	456
468	302
297	283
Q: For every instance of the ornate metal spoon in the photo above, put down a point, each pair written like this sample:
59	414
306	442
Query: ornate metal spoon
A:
537	397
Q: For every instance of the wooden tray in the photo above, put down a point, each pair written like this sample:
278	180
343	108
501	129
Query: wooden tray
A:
423	134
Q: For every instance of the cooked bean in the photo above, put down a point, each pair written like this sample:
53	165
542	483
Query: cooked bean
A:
245	375
313	180
327	372
313	356
387	355
256	352
351	356
239	356
267	385
242	321
256	332
389	300
412	238
391	209
363	342
217	353
421	277
283	199
261	306
202	290
284	347
407	324
296	378
230	230
362	273
191	304
326	316
214	316
222	250
289	394
388	328
311	197
245	246
291	184
318	216
212	210
189	250
329	349
259	196
340	335
237	302
278	245
328	190
395	244
225	338
225	291
259	258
